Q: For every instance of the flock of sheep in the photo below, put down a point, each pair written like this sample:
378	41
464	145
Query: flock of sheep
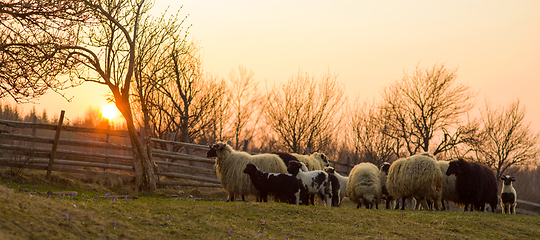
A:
296	179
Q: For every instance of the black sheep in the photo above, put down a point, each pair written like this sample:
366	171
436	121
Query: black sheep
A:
283	186
475	184
286	157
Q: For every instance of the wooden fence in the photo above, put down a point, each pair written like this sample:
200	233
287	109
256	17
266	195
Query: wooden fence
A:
93	151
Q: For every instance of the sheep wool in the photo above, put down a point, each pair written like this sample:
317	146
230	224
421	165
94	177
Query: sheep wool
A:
230	165
417	176
364	185
342	182
449	192
476	184
315	161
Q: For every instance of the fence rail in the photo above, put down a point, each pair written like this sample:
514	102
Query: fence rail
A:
91	157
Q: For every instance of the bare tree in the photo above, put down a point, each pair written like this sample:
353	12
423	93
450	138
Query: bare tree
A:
366	123
88	40
303	112
245	102
27	43
425	107
504	138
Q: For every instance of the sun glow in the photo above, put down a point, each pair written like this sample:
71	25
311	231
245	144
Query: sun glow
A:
109	111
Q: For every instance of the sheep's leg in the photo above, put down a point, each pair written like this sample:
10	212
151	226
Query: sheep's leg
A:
403	203
513	209
230	198
243	198
297	196
424	204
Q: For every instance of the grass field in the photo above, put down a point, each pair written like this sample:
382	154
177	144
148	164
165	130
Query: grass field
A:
95	213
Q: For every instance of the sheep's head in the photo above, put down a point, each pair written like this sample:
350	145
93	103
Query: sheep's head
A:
330	170
508	179
250	169
453	167
294	167
385	167
322	157
214	149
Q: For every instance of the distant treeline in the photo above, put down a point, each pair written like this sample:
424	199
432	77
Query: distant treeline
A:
92	117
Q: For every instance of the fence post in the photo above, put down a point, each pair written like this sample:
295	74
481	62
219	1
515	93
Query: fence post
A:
170	147
108	141
55	144
307	151
244	148
348	164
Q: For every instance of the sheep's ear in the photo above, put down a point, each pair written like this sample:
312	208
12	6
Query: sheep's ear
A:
512	179
503	178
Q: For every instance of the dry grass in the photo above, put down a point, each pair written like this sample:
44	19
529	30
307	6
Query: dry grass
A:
159	216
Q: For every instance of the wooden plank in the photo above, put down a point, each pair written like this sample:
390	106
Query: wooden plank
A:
71	163
44	152
164	184
190	177
168	164
55	144
181	156
17	124
190	145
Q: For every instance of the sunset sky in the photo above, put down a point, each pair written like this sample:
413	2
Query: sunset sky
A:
495	45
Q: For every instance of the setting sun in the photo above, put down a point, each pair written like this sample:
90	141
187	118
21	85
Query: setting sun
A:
109	111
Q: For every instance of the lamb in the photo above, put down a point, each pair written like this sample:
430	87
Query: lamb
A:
315	161
284	186
364	185
312	182
417	176
449	192
342	182
383	175
508	195
475	184
230	165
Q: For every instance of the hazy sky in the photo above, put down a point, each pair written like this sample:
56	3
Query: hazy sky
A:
495	45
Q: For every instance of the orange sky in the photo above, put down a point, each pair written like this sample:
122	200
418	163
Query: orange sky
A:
494	44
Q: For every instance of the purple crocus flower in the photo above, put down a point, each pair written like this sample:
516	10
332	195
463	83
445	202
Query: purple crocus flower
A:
230	233
67	216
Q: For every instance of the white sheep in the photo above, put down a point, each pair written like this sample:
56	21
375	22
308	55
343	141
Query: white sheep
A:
508	195
449	192
364	185
342	182
417	176
230	165
313	182
315	161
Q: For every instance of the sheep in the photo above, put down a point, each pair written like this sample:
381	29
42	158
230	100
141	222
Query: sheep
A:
383	175
342	182
417	176
286	157
449	192
475	184
230	165
508	195
284	186
315	161
364	185
312	182
336	189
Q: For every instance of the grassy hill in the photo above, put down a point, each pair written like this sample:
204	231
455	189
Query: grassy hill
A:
99	212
